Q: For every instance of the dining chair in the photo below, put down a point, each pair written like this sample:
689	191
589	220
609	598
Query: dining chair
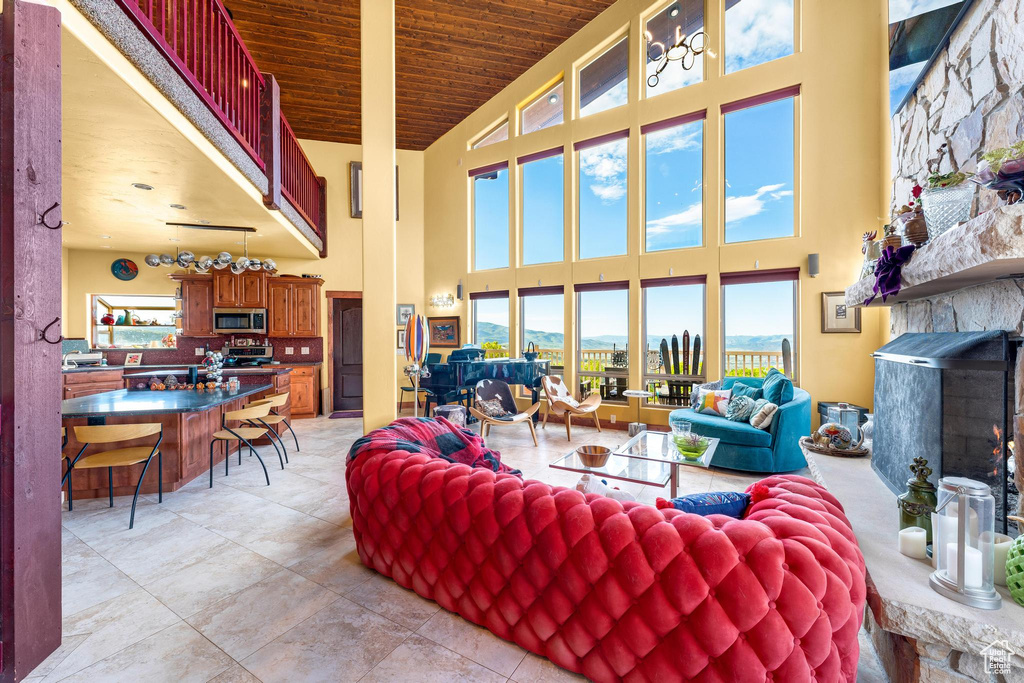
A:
242	434
559	403
495	389
119	457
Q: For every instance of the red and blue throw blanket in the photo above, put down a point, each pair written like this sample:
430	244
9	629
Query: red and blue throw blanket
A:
435	437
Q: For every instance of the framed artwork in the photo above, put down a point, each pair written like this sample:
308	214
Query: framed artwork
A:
124	269
401	340
403	312
133	359
444	332
355	186
836	316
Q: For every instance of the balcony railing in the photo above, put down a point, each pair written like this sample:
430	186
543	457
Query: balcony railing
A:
752	363
198	38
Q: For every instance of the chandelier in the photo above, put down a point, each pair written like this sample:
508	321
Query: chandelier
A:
684	50
203	264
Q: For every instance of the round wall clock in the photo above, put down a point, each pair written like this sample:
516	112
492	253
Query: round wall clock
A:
124	269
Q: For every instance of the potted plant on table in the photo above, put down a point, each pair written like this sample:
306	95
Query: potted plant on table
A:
947	199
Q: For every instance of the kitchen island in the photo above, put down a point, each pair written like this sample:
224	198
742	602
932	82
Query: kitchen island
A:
189	419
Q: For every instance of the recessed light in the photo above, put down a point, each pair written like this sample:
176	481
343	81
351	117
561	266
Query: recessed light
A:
553	98
180	207
142	186
674	12
205	222
104	237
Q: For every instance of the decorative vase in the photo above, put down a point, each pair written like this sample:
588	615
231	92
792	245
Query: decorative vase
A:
915	228
944	207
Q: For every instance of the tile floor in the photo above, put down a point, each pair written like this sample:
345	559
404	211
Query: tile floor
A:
246	582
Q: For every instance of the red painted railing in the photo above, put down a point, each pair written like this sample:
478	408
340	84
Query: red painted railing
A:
199	39
299	182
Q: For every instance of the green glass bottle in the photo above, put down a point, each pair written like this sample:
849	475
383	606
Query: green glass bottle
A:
918	502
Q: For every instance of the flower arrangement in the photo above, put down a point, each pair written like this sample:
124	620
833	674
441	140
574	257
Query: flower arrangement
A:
938	181
1002	170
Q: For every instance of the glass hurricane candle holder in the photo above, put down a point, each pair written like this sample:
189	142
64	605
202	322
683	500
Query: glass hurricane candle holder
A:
944	207
962	543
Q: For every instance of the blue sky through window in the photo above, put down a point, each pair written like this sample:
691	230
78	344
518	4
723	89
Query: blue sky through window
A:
604	318
543	321
490	220
759	151
494	312
757	316
757	31
672	311
602	199
543	211
674	187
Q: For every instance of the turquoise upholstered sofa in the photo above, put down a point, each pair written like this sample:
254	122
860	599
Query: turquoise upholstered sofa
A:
747	448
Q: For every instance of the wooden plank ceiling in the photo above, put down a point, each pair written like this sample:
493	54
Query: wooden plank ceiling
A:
452	56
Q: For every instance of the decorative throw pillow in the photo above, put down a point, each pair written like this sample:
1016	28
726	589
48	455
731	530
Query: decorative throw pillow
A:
741	389
740	408
714	402
731	503
700	389
491	407
763	414
777	388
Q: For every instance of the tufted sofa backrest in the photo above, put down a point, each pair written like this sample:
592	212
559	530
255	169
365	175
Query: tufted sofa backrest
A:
616	590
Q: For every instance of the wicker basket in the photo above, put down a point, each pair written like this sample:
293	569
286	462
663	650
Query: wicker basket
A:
831	450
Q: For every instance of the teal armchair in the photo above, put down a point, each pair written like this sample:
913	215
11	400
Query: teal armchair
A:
747	448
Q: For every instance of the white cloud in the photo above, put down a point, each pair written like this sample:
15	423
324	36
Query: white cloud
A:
757	31
691	215
675	139
904	9
615	96
746	206
606	165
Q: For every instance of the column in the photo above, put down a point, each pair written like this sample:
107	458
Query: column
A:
377	54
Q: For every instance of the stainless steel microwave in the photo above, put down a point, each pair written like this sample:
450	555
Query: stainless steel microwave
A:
239	320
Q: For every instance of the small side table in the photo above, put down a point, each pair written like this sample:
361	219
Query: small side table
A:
637	427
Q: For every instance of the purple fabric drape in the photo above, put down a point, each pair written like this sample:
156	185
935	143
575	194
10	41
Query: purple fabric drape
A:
887	271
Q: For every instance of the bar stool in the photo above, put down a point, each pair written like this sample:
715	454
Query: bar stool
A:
275	401
120	457
65	464
244	435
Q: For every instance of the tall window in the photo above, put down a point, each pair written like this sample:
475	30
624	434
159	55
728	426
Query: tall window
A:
603	82
133	322
603	328
546	110
674	178
498	133
759	163
917	29
602	197
490	322
759	322
757	31
490	217
675	344
543	207
686	16
543	323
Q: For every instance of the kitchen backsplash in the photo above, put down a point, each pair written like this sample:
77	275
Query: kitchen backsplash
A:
185	353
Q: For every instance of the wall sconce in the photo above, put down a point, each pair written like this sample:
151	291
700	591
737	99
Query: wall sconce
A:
442	301
813	265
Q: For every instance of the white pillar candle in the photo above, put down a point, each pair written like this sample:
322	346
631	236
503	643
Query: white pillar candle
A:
972	565
913	542
1002	548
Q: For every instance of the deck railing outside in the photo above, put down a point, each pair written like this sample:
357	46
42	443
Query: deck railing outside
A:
751	363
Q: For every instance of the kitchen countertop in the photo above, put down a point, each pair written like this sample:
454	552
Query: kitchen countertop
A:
227	372
124	403
180	366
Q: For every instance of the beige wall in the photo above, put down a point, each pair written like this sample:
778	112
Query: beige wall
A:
840	67
88	271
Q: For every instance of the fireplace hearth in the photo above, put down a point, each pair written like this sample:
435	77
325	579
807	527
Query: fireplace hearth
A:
947	397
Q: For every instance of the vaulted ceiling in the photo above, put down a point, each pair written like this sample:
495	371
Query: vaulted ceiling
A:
452	56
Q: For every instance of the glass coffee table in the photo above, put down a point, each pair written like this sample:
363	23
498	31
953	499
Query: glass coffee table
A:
648	458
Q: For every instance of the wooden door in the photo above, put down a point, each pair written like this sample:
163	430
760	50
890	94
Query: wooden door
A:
279	309
225	289
252	290
347	324
306	311
197	307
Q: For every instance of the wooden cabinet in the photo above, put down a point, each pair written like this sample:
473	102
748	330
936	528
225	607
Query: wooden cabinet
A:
196	305
293	307
89	382
305	390
245	290
225	289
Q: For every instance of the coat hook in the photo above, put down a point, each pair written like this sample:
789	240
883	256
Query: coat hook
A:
42	218
42	335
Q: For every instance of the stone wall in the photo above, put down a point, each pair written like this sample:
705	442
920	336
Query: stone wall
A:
997	305
972	98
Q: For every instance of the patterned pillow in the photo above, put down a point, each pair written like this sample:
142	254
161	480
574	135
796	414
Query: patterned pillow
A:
762	414
713	402
491	407
740	408
562	394
731	503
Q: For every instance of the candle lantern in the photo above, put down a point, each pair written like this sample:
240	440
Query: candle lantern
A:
843	414
918	502
962	543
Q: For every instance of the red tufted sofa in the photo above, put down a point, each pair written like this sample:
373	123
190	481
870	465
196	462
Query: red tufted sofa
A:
621	591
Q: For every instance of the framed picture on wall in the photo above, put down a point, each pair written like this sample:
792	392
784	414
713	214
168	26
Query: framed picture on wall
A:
355	186
401	340
444	332
133	359
836	316
403	312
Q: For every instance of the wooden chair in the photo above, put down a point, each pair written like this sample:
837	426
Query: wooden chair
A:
275	401
244	435
555	392
119	457
489	389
